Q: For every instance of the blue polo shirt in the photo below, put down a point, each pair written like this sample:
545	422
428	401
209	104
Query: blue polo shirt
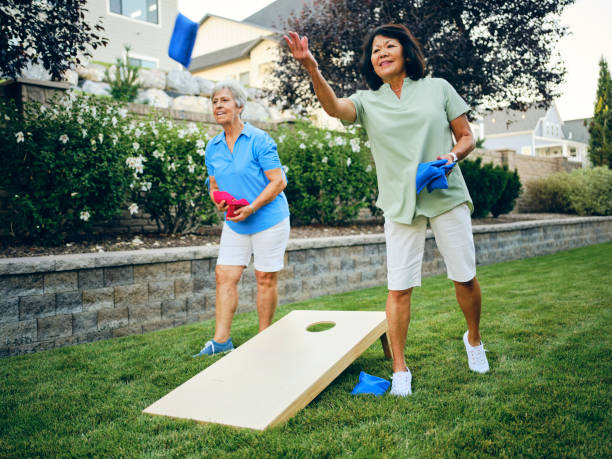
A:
241	174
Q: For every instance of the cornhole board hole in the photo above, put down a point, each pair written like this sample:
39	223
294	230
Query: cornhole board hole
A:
268	379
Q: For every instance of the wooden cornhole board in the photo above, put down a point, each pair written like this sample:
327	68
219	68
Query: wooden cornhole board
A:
268	379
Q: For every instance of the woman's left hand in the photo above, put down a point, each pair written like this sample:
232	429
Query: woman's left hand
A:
242	214
449	160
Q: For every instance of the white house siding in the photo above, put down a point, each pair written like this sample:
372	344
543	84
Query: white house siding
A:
516	143
147	41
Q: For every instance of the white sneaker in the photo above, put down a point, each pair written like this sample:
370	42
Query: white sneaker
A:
477	360
401	384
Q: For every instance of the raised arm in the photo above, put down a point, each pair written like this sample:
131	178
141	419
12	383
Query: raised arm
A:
341	108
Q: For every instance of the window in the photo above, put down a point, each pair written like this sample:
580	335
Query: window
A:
141	10
244	78
142	63
573	152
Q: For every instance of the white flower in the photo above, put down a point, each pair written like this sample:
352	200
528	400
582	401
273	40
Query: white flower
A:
93	141
137	133
84	215
191	168
19	137
145	186
114	121
6	117
63	138
200	143
367	144
133	208
84	132
93	111
115	138
192	203
181	133
285	169
109	110
355	145
73	194
80	120
281	138
302	134
192	128
14	42
135	146
369	168
172	166
318	145
302	146
340	140
100	137
327	136
135	163
189	159
324	160
122	112
348	162
156	154
200	152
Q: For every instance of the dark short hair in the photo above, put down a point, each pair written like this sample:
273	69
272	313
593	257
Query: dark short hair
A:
413	54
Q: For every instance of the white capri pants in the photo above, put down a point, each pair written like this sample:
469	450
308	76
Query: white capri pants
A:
406	245
267	246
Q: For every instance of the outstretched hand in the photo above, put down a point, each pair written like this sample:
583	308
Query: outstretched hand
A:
299	48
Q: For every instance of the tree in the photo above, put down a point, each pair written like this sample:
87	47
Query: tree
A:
600	128
54	34
493	52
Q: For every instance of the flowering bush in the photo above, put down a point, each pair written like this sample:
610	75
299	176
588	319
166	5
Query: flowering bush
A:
330	175
63	165
168	174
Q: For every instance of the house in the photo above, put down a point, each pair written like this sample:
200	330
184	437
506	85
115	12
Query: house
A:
535	132
144	25
242	50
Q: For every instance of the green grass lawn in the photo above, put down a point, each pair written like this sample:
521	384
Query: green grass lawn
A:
547	324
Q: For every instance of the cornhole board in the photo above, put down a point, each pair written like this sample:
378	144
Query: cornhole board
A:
279	371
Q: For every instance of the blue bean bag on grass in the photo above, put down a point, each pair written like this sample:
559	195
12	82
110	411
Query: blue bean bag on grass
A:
369	384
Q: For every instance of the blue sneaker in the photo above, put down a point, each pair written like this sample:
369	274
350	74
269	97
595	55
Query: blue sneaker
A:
212	347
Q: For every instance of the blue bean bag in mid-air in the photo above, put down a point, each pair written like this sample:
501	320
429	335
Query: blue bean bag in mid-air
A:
369	384
433	175
182	40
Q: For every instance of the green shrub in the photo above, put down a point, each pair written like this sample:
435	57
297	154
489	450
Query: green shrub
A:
330	175
168	172
123	84
582	191
592	191
486	184
63	166
512	191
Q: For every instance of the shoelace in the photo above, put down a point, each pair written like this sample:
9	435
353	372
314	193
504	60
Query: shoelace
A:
402	383
477	354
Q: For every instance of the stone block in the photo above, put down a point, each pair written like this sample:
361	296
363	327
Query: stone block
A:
99	298
151	272
288	272
94	336
206	283
119	275
161	325
18	333
34	306
178	270
91	278
347	264
320	269
68	302
28	348
127	331
84	322
161	290
21	285
144	314
9	309
297	256
335	264
64	281
112	318
201	268
174	309
196	305
131	295
183	288
54	327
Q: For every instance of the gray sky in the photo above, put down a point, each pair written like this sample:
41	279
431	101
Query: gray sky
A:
589	22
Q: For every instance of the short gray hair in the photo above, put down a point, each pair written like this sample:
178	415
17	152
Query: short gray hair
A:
238	92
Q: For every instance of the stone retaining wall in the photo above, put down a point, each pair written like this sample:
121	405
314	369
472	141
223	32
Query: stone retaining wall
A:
48	302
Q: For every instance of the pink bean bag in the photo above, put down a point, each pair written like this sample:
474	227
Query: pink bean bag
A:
233	203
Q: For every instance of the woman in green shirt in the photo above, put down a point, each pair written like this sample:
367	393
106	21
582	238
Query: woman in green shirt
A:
410	119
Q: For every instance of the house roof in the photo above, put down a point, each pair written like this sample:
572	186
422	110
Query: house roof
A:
578	129
261	26
223	56
512	121
275	15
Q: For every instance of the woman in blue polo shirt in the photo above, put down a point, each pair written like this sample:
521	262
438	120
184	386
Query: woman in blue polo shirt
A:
243	161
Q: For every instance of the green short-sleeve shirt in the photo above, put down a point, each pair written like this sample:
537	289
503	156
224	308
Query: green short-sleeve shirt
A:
405	132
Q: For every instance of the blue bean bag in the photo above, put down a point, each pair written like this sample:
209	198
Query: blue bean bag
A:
369	384
182	40
433	175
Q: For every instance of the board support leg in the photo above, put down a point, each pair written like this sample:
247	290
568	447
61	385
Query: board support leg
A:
384	340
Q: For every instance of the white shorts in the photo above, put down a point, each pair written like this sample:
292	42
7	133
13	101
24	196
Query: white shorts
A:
406	245
267	246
